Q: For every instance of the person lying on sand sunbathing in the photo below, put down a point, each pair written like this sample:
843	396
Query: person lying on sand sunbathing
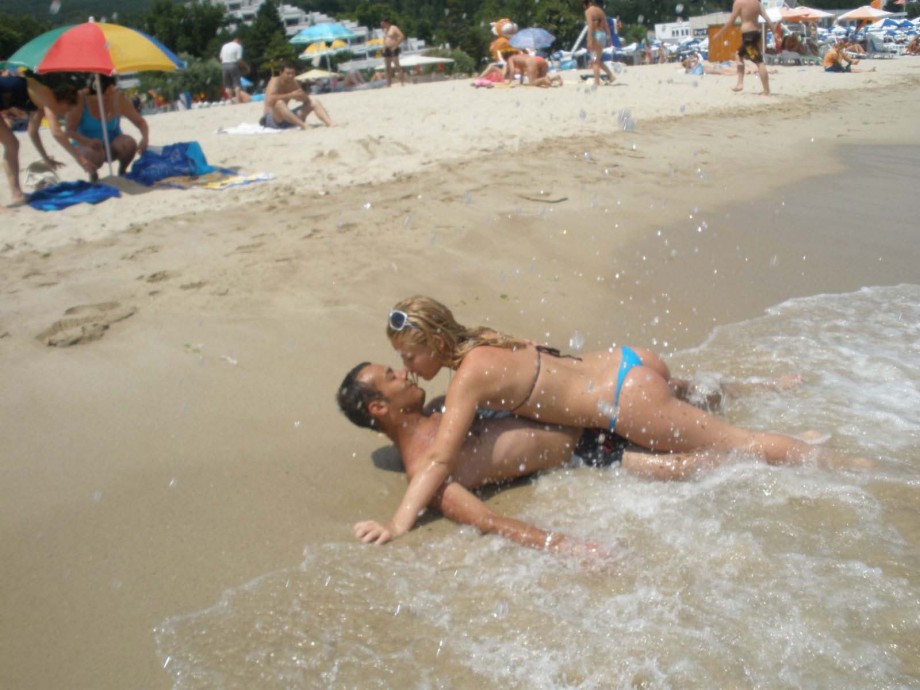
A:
497	450
283	88
533	67
624	390
694	65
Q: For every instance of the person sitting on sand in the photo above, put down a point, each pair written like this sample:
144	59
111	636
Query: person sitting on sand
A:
498	450
36	101
282	88
624	390
835	58
532	67
913	48
85	126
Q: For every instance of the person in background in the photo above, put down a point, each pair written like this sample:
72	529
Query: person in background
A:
85	126
598	39
392	37
231	67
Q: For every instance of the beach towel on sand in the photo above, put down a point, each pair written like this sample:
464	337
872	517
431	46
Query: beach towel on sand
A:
159	162
66	194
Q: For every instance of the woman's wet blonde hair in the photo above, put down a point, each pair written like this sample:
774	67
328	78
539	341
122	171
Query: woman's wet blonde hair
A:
429	318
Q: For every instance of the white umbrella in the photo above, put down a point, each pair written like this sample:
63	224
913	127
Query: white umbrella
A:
866	12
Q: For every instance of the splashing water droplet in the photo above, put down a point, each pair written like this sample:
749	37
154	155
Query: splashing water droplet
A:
576	342
368	205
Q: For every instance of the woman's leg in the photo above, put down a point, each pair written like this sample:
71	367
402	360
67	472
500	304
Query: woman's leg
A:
650	416
124	149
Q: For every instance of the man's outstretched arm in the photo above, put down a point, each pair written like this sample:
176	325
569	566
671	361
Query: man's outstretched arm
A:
460	505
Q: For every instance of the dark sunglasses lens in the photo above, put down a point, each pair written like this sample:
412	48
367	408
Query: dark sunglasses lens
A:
398	320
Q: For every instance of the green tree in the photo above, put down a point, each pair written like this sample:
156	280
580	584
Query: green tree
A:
201	78
262	38
17	30
186	28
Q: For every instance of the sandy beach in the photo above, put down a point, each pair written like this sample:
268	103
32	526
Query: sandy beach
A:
194	444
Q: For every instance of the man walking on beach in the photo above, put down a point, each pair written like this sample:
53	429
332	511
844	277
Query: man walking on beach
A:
598	39
392	38
751	39
231	60
283	88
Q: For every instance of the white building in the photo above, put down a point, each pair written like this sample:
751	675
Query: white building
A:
294	18
695	27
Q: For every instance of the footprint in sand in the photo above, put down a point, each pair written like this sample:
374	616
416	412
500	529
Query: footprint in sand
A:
84	323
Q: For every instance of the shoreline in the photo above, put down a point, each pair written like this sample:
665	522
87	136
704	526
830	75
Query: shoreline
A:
196	446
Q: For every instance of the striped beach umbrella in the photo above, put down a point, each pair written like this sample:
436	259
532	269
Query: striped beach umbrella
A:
96	47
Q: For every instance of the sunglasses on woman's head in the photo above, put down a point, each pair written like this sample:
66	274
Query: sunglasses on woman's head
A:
399	320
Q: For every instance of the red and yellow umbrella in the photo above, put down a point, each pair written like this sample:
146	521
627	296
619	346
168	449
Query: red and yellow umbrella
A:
95	47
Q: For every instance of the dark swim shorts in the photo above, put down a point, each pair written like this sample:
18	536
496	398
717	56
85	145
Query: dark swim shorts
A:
751	47
391	52
600	447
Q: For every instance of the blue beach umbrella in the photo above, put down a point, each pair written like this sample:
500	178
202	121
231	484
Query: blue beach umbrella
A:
534	38
325	32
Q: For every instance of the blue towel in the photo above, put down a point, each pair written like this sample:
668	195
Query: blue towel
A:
67	194
185	159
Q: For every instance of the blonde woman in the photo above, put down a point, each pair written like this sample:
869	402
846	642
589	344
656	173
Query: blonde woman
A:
622	389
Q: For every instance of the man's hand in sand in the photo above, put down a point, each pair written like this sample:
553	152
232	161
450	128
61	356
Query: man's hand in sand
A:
371	532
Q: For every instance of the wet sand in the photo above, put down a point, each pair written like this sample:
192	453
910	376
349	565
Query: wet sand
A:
195	445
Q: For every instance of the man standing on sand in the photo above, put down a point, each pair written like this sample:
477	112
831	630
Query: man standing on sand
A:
598	39
751	39
392	38
231	58
283	88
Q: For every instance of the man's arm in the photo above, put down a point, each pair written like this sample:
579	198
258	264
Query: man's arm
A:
458	504
39	94
736	11
766	17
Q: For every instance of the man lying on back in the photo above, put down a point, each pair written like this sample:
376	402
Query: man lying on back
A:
376	397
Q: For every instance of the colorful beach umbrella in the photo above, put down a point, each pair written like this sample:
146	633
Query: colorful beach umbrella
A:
96	47
99	48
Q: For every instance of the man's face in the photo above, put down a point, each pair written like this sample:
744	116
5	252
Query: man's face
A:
394	386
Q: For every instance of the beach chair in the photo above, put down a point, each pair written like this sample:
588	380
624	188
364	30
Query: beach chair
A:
877	48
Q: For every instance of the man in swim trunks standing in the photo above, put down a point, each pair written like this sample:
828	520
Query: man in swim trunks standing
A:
392	37
751	39
598	39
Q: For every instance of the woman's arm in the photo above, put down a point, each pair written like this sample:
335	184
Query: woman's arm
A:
127	109
435	466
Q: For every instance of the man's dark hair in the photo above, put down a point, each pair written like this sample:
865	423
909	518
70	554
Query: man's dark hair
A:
65	93
355	396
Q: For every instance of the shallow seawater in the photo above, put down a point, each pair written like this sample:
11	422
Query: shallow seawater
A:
748	576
